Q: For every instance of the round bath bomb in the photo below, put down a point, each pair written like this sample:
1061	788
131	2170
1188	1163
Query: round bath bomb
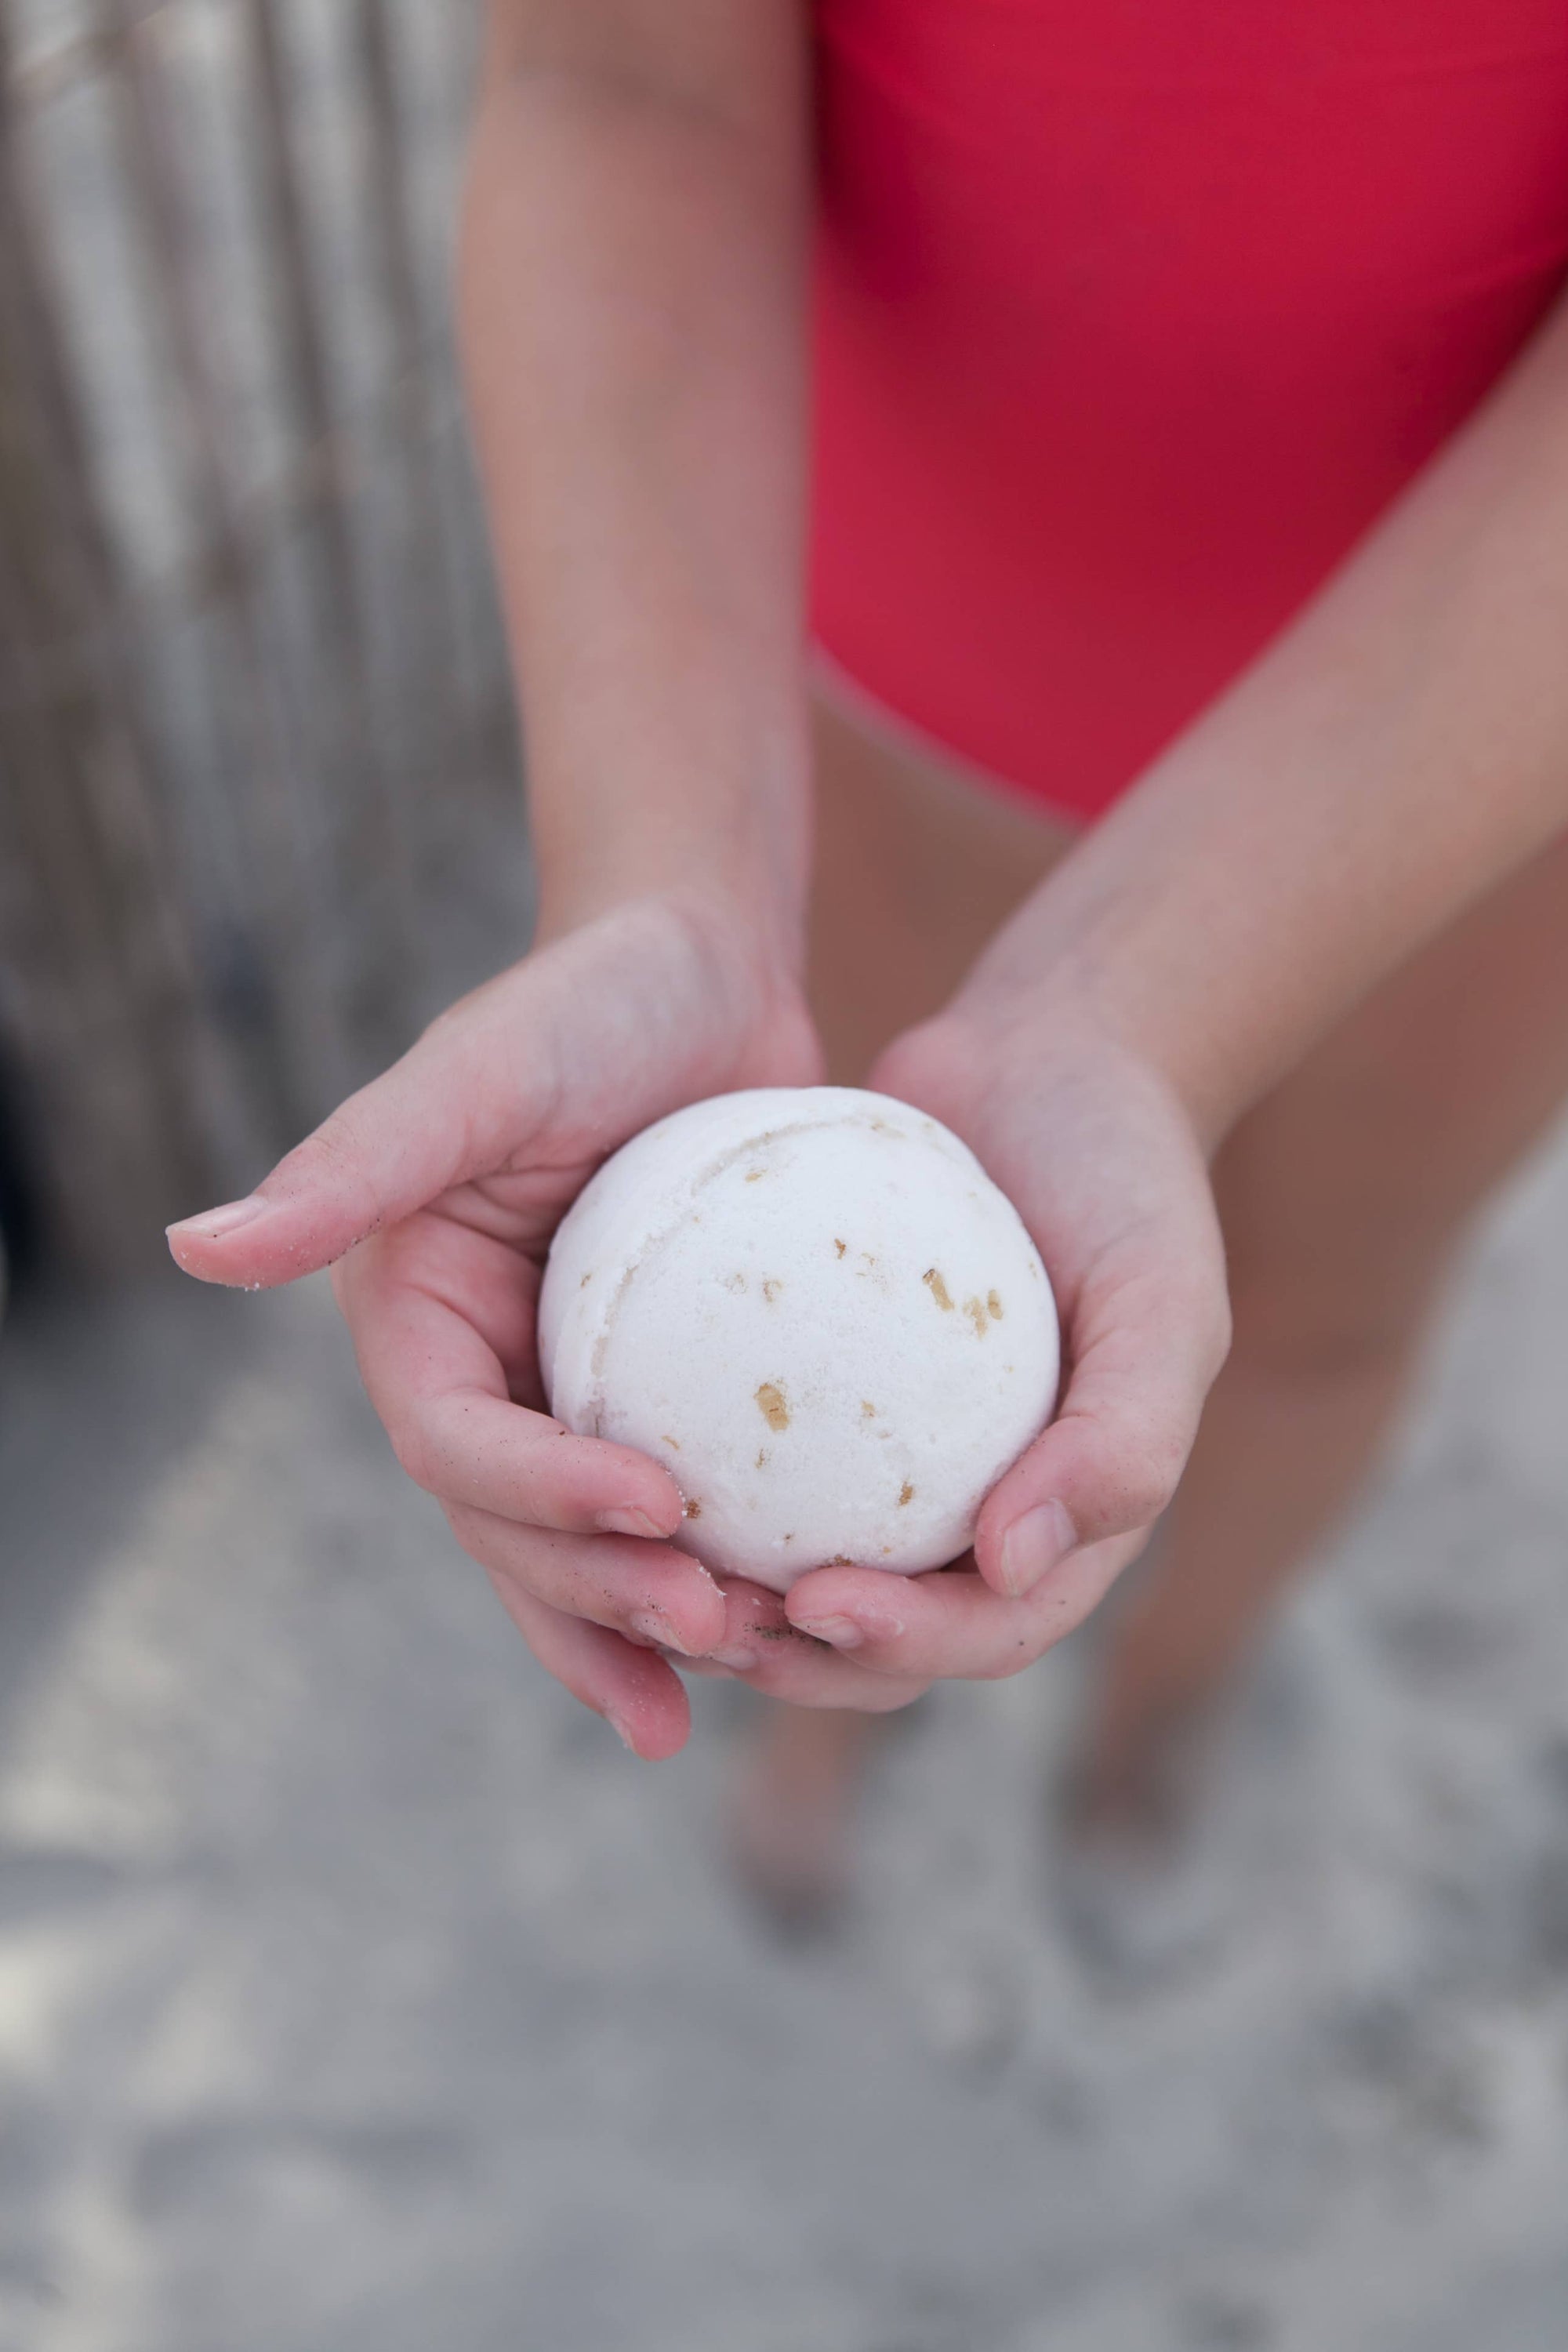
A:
813	1306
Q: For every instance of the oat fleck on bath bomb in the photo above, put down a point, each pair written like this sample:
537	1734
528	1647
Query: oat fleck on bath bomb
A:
813	1306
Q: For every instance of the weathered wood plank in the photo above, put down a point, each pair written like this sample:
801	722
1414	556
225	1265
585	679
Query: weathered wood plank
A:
100	995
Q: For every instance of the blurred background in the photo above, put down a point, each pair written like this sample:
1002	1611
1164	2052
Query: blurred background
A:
355	1989
260	814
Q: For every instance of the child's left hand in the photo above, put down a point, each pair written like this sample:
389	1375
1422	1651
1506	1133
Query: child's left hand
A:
1102	1162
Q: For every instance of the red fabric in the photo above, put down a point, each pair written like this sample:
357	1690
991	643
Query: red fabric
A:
1133	314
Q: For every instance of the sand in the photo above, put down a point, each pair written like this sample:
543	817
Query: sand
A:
358	1994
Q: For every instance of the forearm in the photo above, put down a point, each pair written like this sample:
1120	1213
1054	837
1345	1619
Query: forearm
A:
632	326
1400	748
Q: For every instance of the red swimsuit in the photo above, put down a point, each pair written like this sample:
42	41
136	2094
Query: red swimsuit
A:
1133	314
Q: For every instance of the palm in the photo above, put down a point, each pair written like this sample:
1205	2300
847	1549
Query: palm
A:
1105	1170
638	1039
438	1190
435	1193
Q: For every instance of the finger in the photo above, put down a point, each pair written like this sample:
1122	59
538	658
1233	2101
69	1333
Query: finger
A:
761	1648
581	1044
468	1098
649	1591
401	1141
1147	1342
950	1623
492	1456
1104	1165
638	1695
436	1314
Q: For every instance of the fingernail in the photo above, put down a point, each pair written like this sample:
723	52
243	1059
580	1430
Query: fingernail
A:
629	1523
621	1734
739	1662
842	1631
213	1224
1032	1544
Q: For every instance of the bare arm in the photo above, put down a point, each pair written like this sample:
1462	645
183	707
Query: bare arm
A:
631	303
632	321
632	277
1402	747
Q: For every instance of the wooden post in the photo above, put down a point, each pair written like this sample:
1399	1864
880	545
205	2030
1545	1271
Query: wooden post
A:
376	891
313	1064
135	1118
245	823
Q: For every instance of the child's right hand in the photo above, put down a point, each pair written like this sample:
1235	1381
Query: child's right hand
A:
433	1193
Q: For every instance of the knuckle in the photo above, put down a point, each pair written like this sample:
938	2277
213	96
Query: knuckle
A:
411	1449
1218	1335
474	1529
331	1152
1149	1482
337	1160
1200	1315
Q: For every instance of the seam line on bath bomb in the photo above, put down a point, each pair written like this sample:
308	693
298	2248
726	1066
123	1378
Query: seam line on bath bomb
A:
658	1237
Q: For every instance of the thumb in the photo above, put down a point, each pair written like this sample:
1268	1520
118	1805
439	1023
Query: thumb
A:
399	1142
1146	1351
584	1042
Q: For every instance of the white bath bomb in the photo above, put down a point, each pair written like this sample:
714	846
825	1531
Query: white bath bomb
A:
813	1306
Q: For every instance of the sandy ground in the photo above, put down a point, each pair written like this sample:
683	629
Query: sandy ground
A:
356	1991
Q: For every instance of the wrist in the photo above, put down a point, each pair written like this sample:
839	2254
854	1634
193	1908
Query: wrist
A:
993	1048
746	927
1070	1000
750	953
734	854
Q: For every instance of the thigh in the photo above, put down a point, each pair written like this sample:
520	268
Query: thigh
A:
915	867
1342	1194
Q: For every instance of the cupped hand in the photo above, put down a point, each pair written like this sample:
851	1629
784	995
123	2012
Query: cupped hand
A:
433	1192
1102	1162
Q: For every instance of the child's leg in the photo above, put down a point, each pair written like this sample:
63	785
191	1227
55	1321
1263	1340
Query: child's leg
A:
913	873
1343	1198
790	1808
